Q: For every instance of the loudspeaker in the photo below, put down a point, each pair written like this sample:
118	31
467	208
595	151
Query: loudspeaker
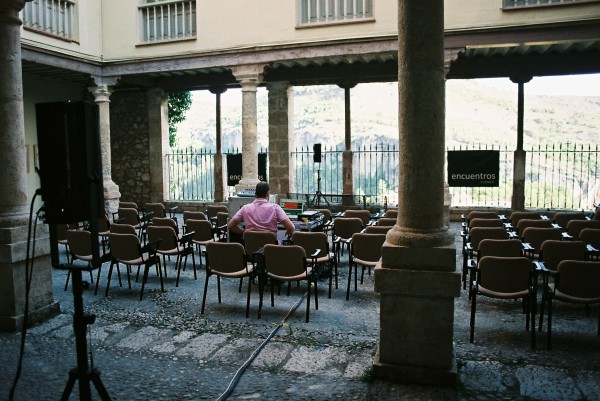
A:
317	153
70	161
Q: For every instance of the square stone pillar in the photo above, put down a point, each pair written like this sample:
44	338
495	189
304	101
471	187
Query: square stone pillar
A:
417	287
158	144
281	138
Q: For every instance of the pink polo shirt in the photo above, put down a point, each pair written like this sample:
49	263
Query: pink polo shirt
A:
260	215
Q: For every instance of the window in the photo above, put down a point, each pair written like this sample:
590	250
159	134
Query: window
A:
334	11
520	4
54	17
167	20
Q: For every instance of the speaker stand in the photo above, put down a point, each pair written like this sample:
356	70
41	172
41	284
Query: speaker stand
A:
318	195
82	373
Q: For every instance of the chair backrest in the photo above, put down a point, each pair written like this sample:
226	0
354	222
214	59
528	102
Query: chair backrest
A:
579	279
596	214
129	205
535	236
326	214
525	223
500	247
518	215
554	252
590	236
124	247
311	241
80	243
481	222
165	222
481	214
119	228
367	247
193	215
254	240
166	235
222	219
103	225
391	214
378	229
477	234
505	274
563	218
201	228
129	215
574	227
386	221
212	210
284	260
225	257
363	215
61	232
344	227
157	209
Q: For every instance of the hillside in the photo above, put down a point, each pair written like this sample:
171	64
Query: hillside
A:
475	113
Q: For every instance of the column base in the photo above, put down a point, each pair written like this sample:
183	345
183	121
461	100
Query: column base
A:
246	184
111	197
415	374
15	323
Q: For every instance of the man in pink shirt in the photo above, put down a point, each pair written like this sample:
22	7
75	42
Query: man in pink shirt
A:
260	215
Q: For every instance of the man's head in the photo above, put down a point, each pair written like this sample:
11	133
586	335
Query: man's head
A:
262	189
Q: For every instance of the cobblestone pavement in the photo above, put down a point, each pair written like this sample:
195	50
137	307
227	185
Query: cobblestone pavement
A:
161	348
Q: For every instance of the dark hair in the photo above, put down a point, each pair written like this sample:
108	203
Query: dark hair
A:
261	189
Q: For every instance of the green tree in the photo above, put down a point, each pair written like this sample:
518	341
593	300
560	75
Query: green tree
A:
179	103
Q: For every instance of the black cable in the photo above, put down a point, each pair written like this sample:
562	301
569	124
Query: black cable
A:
28	276
241	370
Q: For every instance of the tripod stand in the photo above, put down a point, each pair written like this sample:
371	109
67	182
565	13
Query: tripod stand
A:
82	372
318	195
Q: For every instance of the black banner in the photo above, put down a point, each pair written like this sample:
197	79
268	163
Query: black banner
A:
234	168
473	168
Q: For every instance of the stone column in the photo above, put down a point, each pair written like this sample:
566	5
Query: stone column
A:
218	167
518	192
158	144
14	269
281	138
416	277
102	92
347	155
249	77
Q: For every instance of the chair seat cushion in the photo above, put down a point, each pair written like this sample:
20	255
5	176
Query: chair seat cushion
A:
502	295
236	274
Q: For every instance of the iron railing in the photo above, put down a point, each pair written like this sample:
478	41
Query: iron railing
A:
519	4
167	20
53	17
565	176
333	11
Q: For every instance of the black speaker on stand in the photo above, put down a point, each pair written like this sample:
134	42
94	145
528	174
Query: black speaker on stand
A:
316	200
71	180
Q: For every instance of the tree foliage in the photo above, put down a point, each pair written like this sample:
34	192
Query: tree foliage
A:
179	103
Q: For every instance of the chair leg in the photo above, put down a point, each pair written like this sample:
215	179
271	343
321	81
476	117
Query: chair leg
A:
205	291
68	277
194	264
349	282
316	293
162	284
549	330
272	295
472	322
144	279
97	280
248	298
542	308
241	281
219	287
110	269
308	301
178	267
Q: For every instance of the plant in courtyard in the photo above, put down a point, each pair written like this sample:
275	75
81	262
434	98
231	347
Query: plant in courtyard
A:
178	104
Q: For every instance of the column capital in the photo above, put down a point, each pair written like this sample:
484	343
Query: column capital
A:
217	90
9	11
101	93
249	76
279	85
520	78
106	81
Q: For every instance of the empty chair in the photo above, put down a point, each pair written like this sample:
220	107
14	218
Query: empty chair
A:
130	216
495	247
343	229
212	210
254	241
131	205
327	220
364	215
391	213
203	234
505	278
325	262
193	215
481	214
519	215
470	249
288	263
126	249
103	231
80	246
365	251
553	252
119	228
574	227
227	259
591	238
157	209
61	238
221	229
170	245
165	222
481	222
385	221
563	218
526	223
378	229
576	282
534	237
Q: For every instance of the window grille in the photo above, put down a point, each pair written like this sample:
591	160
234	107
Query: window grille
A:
167	20
520	4
54	17
334	11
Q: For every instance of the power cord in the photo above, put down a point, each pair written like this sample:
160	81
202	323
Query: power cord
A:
240	371
28	277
